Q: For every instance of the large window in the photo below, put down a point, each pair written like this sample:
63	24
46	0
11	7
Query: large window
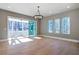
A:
50	26
17	26
65	26
21	27
57	25
14	25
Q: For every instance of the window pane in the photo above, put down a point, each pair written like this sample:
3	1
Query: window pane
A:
66	25
50	26
10	25
31	27
25	26
57	25
19	26
15	25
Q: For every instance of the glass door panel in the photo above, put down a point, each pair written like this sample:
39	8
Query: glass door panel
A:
25	28
32	28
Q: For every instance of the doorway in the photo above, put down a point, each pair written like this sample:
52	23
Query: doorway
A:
21	27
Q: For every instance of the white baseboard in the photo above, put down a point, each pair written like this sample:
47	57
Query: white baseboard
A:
3	40
59	38
65	39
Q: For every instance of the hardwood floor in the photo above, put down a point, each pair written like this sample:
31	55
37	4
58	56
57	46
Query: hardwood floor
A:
43	46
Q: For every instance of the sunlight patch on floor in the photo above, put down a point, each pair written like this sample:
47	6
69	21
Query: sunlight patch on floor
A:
25	39
18	40
38	37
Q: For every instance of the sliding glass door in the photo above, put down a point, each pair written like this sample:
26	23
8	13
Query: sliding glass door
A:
21	28
32	28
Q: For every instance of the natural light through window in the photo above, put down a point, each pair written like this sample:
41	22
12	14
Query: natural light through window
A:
50	26
37	37
65	26
57	25
18	40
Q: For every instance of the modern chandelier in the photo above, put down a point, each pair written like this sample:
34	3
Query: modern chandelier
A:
38	16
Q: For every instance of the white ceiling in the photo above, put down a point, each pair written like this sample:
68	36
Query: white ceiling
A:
46	9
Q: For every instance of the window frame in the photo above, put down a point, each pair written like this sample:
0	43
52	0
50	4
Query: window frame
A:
67	20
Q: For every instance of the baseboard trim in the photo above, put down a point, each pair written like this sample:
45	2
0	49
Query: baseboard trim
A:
59	38
3	40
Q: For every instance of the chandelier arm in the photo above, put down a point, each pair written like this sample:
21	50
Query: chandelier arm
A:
38	10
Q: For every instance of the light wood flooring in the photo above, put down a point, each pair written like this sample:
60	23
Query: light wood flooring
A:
43	46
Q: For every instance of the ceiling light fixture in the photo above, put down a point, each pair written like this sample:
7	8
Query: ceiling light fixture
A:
38	16
68	6
9	7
